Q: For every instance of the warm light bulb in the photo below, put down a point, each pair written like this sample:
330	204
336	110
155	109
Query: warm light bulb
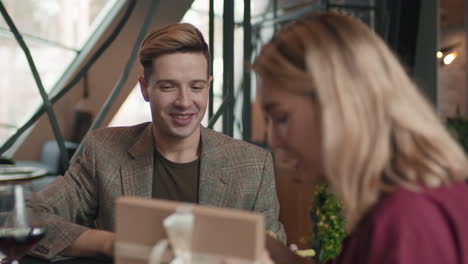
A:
450	58
439	54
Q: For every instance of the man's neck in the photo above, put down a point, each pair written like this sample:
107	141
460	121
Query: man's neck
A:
178	150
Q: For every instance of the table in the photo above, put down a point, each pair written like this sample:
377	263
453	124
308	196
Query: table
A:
33	260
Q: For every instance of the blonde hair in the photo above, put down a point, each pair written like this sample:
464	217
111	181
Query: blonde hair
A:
378	130
182	37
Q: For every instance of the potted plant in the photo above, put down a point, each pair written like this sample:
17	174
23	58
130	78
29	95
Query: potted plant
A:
327	224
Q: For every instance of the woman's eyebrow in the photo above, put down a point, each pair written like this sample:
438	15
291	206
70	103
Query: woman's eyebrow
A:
270	106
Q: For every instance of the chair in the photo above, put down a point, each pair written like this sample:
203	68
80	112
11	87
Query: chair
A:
50	159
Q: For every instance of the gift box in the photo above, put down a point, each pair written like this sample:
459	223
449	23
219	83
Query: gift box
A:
219	232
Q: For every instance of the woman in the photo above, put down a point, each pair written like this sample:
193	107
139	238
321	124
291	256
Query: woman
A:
341	104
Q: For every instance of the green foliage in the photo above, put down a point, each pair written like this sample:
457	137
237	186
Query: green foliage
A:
327	224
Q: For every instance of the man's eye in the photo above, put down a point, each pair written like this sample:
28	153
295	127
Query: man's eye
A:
197	88
166	87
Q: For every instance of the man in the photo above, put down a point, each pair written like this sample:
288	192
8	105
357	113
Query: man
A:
173	157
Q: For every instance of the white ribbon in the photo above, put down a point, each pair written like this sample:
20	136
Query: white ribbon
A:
179	227
156	254
142	252
131	250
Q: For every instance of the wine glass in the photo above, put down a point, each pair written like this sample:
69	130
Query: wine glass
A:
20	229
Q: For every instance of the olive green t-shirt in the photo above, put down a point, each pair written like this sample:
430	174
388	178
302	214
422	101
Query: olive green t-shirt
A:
175	181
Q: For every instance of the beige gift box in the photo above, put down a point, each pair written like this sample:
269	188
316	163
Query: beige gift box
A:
216	231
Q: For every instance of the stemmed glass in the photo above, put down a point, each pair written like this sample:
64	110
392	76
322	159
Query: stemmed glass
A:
20	228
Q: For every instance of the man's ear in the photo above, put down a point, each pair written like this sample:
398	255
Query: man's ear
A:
143	87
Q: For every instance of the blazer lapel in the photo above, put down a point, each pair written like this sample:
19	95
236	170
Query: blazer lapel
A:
214	180
137	171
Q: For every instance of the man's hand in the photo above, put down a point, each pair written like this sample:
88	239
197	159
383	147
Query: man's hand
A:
92	243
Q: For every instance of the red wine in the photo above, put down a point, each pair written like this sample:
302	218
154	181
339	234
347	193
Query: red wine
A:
15	242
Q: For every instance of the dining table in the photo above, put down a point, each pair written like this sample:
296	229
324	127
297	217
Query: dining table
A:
75	260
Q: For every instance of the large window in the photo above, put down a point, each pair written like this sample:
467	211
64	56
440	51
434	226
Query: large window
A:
55	31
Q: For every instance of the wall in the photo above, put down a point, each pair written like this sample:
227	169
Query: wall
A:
453	85
453	93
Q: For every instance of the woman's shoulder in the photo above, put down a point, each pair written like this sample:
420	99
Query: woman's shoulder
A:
426	226
404	203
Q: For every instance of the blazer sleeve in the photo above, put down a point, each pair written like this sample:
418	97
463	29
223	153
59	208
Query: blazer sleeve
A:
267	199
67	207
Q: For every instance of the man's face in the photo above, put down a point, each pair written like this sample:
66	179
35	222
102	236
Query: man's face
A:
178	93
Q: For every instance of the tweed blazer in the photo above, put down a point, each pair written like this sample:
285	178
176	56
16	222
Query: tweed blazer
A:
119	161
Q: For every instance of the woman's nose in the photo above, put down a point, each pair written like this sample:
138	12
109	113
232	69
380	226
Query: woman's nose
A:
275	139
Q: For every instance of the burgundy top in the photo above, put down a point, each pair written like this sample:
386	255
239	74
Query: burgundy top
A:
410	227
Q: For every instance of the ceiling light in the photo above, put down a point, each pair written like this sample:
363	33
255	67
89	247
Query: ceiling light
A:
449	58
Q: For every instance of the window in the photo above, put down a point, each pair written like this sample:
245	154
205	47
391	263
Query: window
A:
55	31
